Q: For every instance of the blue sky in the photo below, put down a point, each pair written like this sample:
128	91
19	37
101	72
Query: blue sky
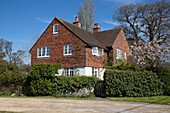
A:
20	20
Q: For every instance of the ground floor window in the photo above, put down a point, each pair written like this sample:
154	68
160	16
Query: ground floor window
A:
69	71
95	71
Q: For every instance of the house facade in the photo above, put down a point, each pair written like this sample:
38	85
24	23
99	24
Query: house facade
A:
79	51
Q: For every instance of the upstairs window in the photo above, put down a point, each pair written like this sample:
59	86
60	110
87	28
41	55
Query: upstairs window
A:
43	52
55	29
118	53
97	51
125	56
67	50
102	50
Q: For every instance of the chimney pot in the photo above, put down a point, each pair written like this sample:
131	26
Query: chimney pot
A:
77	23
76	19
96	27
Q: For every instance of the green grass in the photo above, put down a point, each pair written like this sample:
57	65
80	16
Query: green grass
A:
48	97
164	100
7	112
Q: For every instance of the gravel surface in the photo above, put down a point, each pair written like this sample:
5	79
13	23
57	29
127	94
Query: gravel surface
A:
96	105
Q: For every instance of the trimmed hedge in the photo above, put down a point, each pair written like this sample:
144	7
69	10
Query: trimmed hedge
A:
132	84
39	80
71	84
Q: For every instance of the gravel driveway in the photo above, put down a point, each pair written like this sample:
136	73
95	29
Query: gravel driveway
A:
97	105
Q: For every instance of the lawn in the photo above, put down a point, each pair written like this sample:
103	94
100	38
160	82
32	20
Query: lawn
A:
164	100
48	97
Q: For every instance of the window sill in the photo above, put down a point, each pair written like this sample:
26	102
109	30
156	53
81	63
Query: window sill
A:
97	56
55	33
67	55
43	57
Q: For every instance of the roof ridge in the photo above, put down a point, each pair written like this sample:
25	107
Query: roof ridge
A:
108	30
74	25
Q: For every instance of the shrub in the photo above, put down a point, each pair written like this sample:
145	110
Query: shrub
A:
132	84
72	84
40	78
125	66
163	75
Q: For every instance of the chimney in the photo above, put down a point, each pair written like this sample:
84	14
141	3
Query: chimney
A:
96	27
77	23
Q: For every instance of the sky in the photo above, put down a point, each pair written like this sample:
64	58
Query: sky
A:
20	20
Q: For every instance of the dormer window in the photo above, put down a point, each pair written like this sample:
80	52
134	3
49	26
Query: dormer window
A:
55	29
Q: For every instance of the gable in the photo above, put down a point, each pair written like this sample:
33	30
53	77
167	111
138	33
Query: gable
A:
121	38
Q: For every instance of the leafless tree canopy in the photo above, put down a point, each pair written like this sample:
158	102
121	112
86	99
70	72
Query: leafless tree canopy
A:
86	15
149	21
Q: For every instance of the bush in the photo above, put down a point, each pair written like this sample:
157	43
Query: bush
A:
40	78
163	75
132	84
68	85
125	66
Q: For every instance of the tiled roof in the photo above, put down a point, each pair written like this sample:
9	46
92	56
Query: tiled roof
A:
107	37
101	39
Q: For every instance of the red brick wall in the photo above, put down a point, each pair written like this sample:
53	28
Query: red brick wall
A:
56	43
122	44
93	61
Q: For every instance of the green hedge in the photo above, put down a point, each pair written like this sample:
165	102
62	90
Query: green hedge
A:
164	75
132	84
66	84
39	81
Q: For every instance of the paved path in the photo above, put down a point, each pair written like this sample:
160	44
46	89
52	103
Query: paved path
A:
39	105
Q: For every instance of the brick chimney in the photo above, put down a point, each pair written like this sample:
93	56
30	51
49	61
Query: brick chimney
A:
77	23
96	27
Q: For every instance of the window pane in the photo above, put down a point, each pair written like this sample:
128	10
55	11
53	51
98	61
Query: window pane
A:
43	51
70	49
48	51
56	28
39	51
95	51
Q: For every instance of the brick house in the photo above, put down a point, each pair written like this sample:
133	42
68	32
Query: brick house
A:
79	51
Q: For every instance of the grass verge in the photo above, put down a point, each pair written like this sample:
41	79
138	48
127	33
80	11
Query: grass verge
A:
164	100
48	97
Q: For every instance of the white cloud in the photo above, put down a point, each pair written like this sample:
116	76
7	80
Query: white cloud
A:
111	22
124	1
44	20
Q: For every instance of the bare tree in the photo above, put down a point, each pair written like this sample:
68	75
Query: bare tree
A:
86	15
27	56
149	21
2	54
16	57
8	50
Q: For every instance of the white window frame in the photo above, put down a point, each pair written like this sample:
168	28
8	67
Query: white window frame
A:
118	53
125	56
40	53
69	71
95	51
55	26
95	71
67	51
102	52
